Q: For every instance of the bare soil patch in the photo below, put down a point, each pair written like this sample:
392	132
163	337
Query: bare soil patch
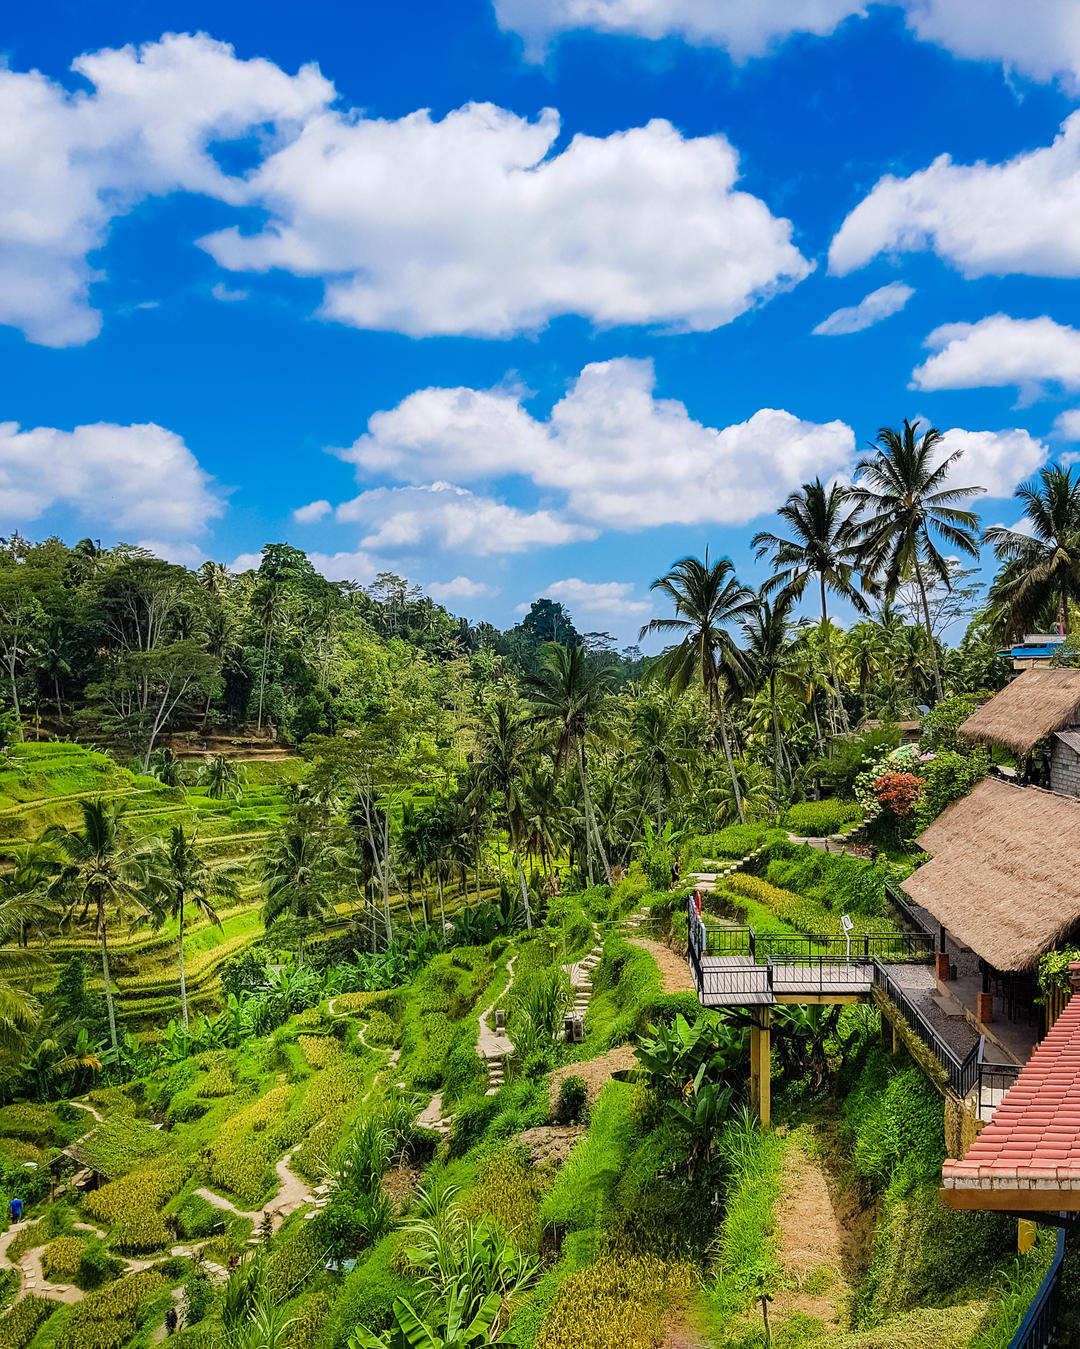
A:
595	1073
674	970
551	1144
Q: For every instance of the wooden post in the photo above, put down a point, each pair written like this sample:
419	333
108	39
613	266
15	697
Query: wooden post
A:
895	1038
755	1067
1026	1232
765	1068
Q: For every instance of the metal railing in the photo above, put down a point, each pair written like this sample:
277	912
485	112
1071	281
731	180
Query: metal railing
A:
995	1079
962	1072
1036	1330
907	912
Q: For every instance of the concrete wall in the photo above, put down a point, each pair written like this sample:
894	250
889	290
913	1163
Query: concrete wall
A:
1064	769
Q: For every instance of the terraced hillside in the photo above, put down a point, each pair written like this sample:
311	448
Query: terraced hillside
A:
44	784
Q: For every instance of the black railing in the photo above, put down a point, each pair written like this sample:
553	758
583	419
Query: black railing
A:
993	1078
893	947
908	914
1036	1330
962	1073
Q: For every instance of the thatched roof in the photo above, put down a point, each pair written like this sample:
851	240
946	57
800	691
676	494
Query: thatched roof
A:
1005	871
1038	702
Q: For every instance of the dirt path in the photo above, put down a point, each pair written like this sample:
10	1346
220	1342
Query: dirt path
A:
816	1245
674	970
292	1194
595	1073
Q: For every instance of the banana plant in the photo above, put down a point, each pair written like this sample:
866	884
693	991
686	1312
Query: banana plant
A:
449	1330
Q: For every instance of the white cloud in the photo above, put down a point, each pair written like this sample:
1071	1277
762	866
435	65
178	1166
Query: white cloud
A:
460	588
444	516
471	225
245	562
984	219
220	291
999	351
624	458
743	29
360	567
1040	39
312	513
995	460
1070	459
186	554
1067	426
121	478
74	162
600	597
871	309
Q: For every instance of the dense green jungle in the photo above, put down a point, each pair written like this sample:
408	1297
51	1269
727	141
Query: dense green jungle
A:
307	888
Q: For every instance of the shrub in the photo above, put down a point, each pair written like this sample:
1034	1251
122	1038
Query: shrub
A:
818	819
97	1265
573	1101
319	1050
62	1258
108	1318
380	1030
195	1218
615	1303
940	725
19	1325
131	1206
507	1190
585	1185
946	779
367	1298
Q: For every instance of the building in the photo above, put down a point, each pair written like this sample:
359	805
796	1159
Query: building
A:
1036	718
1036	649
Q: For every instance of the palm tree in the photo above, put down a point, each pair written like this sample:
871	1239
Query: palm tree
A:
105	869
293	870
569	694
1042	566
167	767
903	500
819	545
186	879
707	598
658	755
268	608
770	657
220	777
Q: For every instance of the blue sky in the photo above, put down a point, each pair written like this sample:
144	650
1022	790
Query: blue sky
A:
553	351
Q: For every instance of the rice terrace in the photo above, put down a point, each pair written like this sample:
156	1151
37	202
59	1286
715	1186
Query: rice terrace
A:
540	675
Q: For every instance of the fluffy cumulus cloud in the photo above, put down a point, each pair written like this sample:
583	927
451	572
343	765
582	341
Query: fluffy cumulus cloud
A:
469	224
995	460
984	219
127	479
412	519
75	161
465	224
1067	425
312	513
1000	351
621	457
459	588
1040	38
871	309
615	598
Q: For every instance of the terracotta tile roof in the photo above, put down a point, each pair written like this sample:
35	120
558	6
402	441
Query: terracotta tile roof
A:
1033	1141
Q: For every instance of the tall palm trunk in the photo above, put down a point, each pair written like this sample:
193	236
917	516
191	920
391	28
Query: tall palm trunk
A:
721	714
938	688
442	908
832	658
590	818
524	892
262	676
104	939
183	979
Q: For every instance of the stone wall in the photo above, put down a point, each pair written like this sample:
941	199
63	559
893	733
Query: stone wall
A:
1064	769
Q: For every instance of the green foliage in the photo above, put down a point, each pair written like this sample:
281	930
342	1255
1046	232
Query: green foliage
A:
584	1188
507	1191
736	841
839	884
19	1325
940	725
748	1253
121	1142
1054	969
946	778
367	1297
62	1259
895	1121
818	819
107	1319
614	1303
848	757
131	1206
573	1100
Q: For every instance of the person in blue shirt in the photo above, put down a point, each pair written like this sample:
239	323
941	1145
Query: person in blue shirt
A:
15	1209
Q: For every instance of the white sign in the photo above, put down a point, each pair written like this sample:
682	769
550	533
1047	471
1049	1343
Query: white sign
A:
846	923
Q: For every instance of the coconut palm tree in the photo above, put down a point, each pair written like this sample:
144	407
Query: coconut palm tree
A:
818	545
1042	564
569	695
658	754
220	777
903	499
268	607
167	767
707	599
107	870
770	656
293	868
184	879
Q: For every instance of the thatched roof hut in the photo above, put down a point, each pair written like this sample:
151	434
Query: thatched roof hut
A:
1005	871
1037	703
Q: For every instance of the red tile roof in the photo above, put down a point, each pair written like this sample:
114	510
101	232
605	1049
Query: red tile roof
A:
1033	1141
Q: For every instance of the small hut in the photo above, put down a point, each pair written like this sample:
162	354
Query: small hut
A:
1004	882
1038	711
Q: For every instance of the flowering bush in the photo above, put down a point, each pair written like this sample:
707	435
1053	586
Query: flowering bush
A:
905	760
897	793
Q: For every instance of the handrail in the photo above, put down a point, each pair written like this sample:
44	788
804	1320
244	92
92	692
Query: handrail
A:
908	912
962	1073
1036	1330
